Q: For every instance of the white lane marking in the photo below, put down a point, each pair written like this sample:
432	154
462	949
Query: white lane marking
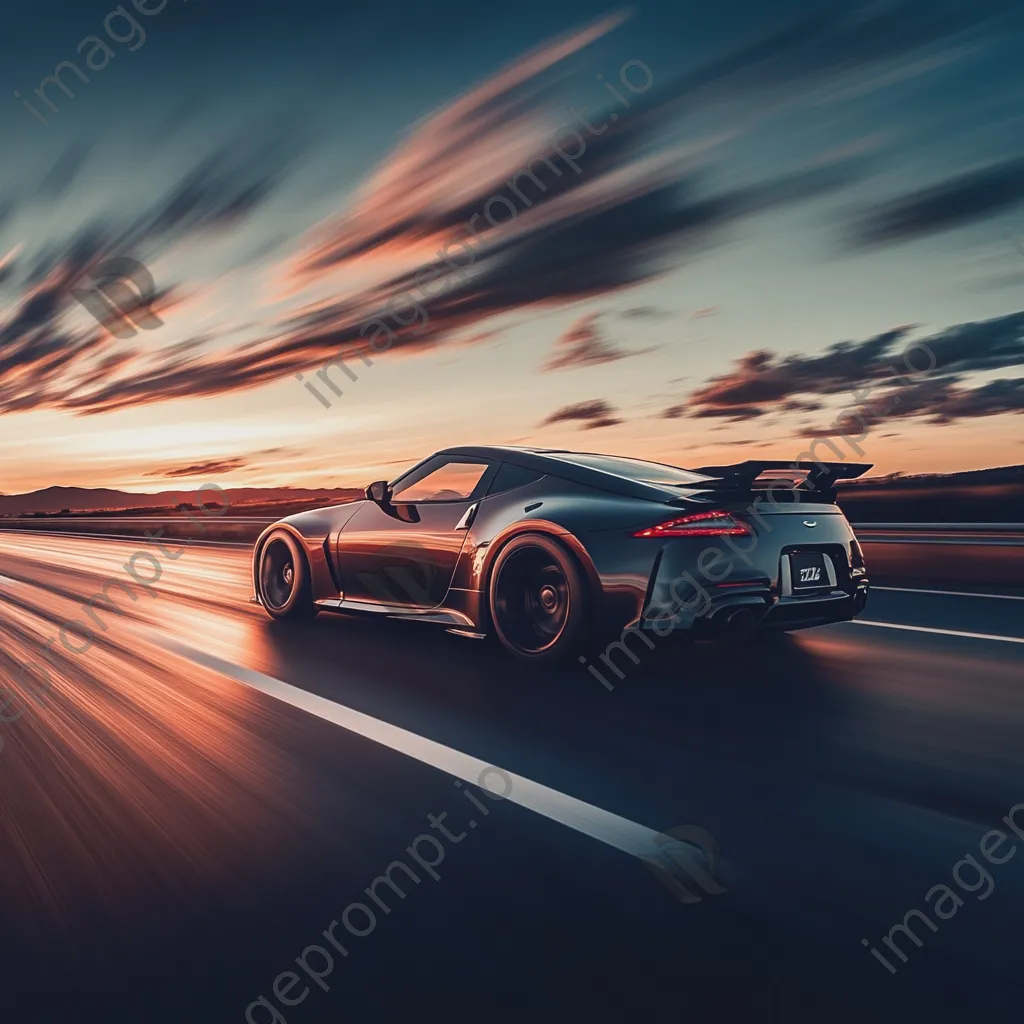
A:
943	632
599	824
951	593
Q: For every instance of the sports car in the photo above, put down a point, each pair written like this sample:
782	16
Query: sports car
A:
548	550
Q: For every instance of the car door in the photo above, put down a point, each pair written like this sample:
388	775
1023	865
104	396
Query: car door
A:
404	552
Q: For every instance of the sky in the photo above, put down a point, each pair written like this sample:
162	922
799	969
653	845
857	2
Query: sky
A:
746	223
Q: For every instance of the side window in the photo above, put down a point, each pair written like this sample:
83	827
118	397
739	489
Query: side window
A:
454	481
510	477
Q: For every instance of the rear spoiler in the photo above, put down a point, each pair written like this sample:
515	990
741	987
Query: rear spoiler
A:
817	478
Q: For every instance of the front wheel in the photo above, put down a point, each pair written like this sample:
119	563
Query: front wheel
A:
537	597
286	589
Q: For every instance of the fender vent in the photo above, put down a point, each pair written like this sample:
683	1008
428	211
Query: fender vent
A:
330	563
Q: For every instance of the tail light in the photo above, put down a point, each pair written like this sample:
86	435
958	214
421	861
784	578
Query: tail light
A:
700	524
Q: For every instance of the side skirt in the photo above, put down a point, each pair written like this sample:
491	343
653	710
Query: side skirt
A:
441	616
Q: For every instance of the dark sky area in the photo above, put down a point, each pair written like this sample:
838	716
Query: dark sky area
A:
802	190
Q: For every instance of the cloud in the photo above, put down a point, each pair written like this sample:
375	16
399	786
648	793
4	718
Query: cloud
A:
455	159
970	197
800	405
228	464
941	402
620	230
211	468
643	313
584	345
592	414
761	379
949	403
762	383
627	214
48	362
980	345
636	208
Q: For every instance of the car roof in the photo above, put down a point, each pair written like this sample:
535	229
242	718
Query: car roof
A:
566	455
559	461
493	450
490	451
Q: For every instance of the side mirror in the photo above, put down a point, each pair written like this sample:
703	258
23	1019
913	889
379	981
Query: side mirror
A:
379	492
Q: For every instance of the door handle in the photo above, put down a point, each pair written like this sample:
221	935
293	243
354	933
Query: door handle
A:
467	519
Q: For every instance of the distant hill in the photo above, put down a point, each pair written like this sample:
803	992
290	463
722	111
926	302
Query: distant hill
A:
244	500
981	495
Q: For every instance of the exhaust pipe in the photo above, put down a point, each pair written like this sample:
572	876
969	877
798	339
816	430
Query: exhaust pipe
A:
740	619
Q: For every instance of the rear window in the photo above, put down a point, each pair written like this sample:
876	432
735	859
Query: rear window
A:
510	477
636	469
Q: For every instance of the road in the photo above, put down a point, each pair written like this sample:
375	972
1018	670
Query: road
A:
175	832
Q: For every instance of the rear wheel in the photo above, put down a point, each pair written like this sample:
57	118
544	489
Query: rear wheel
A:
286	588
537	597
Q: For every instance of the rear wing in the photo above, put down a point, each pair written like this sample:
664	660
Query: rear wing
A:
817	479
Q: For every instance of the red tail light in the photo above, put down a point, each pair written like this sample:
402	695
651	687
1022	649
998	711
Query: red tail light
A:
700	524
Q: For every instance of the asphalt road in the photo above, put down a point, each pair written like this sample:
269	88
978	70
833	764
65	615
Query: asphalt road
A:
174	831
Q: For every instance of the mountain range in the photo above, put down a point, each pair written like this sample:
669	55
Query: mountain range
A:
986	495
85	499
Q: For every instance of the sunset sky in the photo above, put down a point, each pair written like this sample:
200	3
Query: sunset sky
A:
802	191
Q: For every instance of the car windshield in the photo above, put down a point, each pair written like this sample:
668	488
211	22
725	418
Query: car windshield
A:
636	469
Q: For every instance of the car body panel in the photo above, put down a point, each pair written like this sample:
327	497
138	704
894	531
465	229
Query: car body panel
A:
431	560
699	577
316	530
405	557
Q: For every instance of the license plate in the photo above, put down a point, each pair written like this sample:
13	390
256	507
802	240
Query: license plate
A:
808	570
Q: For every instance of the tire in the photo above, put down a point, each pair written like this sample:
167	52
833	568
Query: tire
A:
285	582
537	599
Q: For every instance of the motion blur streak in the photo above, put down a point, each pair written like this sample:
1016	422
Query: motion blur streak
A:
124	763
160	823
943	632
592	821
953	593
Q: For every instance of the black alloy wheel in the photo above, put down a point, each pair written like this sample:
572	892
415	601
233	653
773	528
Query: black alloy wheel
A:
537	596
284	579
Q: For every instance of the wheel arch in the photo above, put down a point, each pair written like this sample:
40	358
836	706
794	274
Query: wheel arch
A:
304	547
565	537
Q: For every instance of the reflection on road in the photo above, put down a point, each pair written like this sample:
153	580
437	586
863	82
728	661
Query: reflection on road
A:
155	813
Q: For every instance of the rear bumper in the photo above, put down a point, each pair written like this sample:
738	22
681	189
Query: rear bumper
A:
755	596
801	612
734	613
